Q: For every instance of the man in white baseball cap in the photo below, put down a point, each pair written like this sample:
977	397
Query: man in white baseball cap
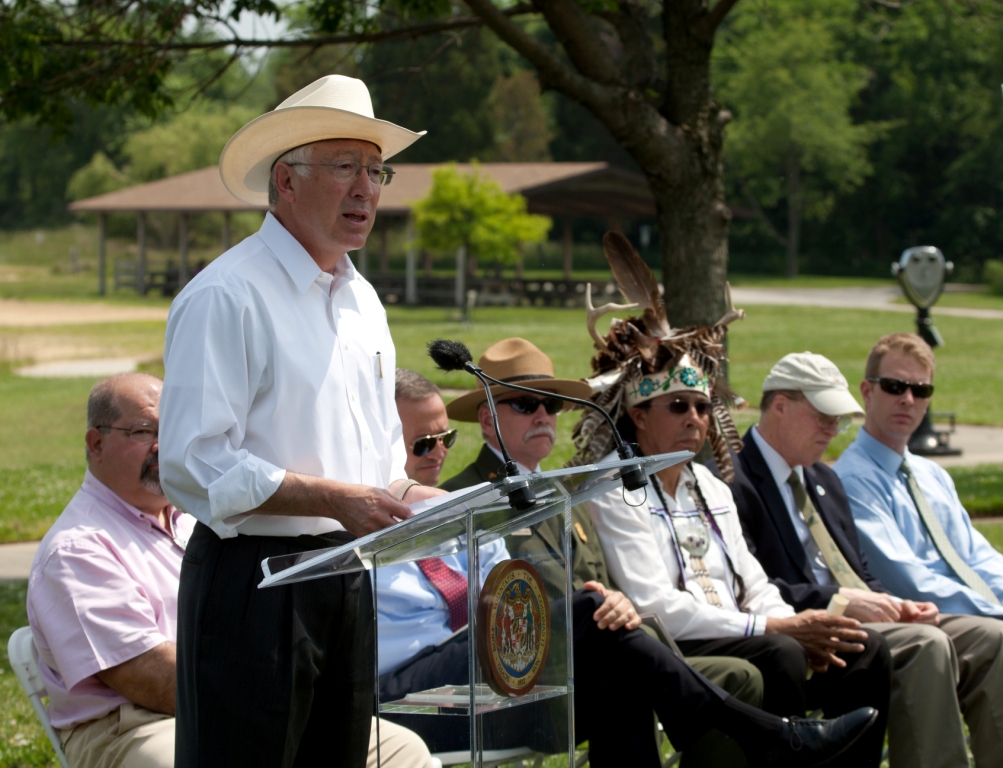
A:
797	521
279	434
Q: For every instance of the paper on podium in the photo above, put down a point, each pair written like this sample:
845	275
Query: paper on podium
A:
439	527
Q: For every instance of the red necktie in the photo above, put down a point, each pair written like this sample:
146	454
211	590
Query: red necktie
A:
452	586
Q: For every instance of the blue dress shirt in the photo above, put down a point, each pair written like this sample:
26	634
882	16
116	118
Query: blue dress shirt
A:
900	551
411	613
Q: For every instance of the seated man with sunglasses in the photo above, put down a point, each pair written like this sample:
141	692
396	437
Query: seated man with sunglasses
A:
427	436
918	538
798	524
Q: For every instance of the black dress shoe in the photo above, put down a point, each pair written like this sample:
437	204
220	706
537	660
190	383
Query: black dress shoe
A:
806	743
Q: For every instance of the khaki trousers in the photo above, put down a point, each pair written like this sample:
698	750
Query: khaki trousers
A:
134	737
941	674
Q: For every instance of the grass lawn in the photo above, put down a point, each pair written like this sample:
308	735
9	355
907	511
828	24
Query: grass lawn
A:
42	420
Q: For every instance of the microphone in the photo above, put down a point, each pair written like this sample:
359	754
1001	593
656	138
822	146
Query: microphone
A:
456	355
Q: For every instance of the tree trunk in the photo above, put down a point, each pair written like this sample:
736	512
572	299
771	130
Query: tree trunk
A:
795	211
661	111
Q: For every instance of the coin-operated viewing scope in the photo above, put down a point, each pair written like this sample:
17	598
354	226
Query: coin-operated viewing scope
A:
922	272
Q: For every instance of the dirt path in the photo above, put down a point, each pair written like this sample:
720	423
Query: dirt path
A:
39	314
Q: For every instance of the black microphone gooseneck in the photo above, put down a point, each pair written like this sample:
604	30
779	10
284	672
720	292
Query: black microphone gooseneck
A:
633	476
454	356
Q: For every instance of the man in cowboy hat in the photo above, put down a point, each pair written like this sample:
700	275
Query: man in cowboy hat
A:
279	435
608	702
797	520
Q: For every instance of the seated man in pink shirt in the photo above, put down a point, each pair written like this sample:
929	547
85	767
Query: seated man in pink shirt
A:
102	597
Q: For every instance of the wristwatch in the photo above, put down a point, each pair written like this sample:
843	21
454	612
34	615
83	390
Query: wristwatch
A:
404	488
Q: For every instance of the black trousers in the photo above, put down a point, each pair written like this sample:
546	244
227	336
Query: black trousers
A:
620	678
866	681
271	677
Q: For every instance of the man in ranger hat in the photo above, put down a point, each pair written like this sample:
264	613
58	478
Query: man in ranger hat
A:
279	435
676	547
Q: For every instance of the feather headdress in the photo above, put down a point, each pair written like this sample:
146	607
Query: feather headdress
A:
648	345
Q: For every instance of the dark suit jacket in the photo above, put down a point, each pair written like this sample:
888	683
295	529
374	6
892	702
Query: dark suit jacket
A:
588	563
772	537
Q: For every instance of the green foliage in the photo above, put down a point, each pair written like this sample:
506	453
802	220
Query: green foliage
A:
992	275
98	177
793	139
472	210
522	121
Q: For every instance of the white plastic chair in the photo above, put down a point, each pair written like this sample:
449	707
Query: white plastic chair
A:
21	652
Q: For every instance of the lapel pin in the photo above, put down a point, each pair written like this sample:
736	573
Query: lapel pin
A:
820	490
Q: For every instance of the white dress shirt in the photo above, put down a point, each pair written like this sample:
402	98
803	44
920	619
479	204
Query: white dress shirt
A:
274	365
639	544
781	472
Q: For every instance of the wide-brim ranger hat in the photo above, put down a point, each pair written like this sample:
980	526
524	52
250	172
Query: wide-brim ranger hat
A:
334	107
520	362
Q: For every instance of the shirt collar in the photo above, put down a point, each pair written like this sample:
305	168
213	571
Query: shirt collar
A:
524	470
293	257
778	465
887	459
686	476
94	487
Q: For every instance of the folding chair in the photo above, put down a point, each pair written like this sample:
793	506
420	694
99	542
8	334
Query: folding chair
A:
21	652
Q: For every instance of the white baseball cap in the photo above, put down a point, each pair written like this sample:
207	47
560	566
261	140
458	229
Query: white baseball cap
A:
818	378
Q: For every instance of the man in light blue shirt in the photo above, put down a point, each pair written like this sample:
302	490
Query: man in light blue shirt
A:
917	536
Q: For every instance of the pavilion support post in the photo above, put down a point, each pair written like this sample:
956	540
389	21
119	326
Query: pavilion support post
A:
226	231
141	253
520	262
102	266
411	275
567	243
426	263
384	250
460	291
384	256
362	260
182	249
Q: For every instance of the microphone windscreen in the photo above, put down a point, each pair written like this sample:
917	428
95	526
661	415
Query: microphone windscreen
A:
449	355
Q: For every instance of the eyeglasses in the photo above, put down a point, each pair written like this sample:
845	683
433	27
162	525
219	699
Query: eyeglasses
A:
680	407
528	405
898	387
349	170
138	433
425	445
826	422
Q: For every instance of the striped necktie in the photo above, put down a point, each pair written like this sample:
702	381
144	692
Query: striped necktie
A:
940	540
451	585
840	569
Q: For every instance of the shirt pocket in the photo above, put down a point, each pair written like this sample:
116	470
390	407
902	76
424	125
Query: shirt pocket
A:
384	367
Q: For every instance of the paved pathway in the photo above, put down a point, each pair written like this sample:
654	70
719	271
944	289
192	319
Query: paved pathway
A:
72	369
847	298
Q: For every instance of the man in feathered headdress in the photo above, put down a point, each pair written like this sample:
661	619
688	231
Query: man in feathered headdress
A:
676	548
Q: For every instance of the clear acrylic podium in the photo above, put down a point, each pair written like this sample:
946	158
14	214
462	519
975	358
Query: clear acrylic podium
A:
522	696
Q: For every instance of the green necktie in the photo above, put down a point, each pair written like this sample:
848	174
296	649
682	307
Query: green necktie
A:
840	569
940	540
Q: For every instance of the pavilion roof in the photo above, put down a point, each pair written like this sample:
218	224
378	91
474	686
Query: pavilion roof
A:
550	188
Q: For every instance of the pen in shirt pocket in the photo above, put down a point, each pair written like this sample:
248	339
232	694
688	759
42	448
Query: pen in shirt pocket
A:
379	362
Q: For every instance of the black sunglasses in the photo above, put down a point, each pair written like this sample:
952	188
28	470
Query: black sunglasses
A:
425	445
527	405
898	387
679	407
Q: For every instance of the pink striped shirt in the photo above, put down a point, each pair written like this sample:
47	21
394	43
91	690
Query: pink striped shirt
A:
103	589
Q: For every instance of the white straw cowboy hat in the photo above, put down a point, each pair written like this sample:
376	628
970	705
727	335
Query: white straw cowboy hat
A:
334	107
520	362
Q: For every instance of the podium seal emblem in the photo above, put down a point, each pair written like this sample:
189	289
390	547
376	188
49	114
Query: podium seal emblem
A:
513	619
